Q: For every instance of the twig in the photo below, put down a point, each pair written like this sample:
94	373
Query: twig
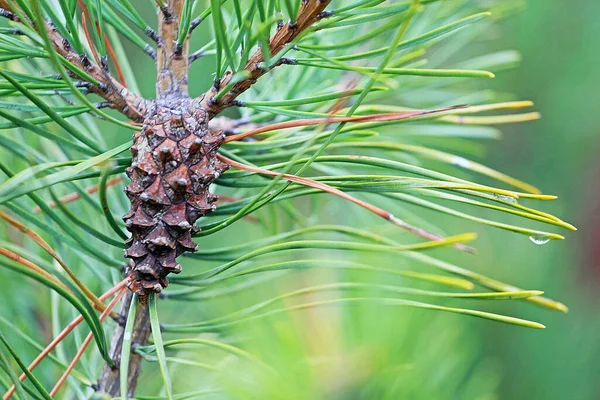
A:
109	382
171	62
86	343
110	89
318	121
309	13
329	189
121	99
72	325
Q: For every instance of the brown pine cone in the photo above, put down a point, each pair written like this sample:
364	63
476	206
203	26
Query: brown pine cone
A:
173	164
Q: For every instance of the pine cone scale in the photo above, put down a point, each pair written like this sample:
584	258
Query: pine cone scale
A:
173	164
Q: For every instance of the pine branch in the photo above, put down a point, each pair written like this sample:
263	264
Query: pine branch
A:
121	99
175	161
172	60
171	83
107	87
61	336
310	12
109	381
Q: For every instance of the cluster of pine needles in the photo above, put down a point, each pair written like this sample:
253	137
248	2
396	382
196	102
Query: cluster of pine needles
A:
367	102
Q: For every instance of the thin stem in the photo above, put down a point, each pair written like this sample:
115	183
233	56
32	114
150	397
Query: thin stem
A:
329	189
172	61
317	121
308	14
63	334
86	343
109	382
107	87
126	349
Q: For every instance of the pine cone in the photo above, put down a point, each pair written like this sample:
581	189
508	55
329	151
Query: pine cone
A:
173	164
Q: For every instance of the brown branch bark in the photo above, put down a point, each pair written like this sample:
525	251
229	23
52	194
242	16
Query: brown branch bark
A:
58	339
308	14
171	85
119	97
109	382
171	61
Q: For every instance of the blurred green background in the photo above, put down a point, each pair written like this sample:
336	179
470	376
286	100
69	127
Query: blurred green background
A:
371	352
559	153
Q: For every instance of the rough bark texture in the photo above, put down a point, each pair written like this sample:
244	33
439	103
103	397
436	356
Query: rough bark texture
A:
174	157
109	382
174	163
171	61
113	91
310	12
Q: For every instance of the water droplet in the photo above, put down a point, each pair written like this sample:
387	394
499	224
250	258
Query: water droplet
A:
539	240
461	162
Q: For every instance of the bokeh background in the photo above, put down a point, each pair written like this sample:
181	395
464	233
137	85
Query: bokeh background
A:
561	154
366	352
370	353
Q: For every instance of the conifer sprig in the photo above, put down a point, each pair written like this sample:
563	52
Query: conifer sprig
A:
359	99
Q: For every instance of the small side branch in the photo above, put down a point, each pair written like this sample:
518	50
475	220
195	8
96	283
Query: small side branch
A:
310	12
368	206
113	91
120	98
5	13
